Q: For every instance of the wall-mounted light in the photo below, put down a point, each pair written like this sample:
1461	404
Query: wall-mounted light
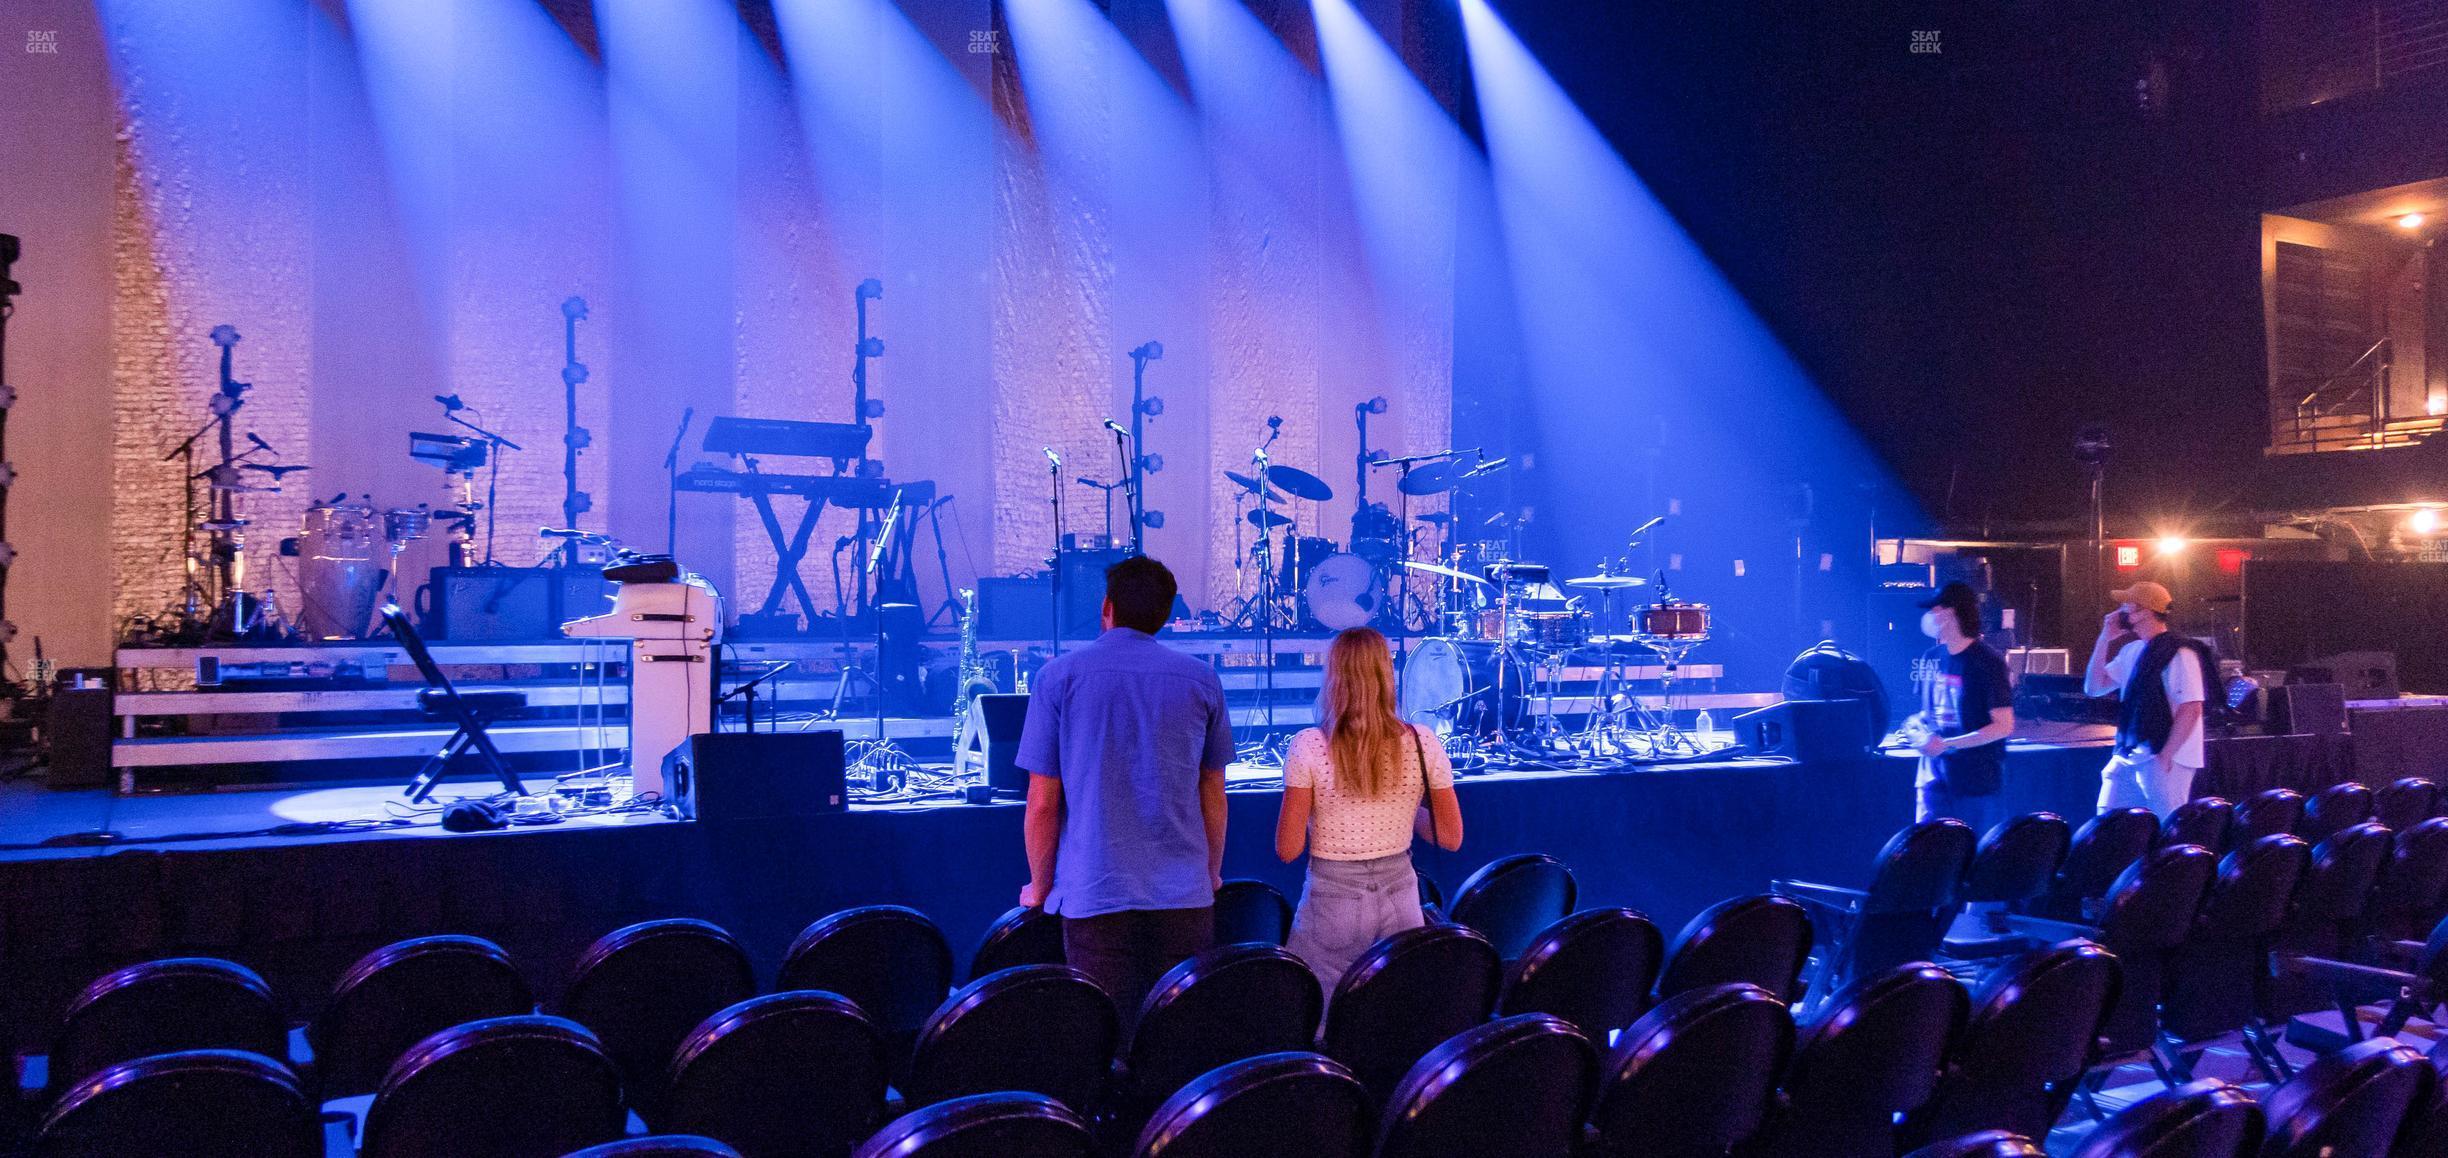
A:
2424	522
2171	544
2410	221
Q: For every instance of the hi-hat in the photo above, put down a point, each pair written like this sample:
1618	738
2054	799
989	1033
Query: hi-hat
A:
1607	582
1266	520
1300	484
1491	466
1436	517
1446	572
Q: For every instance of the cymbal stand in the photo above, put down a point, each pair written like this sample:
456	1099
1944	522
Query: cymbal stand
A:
495	444
1665	739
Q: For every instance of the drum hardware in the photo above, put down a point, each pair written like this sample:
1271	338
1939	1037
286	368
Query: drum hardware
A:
1266	520
1250	486
463	546
1106	491
1299	484
214	603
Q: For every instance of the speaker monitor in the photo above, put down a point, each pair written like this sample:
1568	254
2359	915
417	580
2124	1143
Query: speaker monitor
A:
2365	675
2307	709
757	775
1807	730
487	603
77	731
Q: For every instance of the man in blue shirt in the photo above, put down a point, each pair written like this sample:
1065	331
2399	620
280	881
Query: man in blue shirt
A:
1126	745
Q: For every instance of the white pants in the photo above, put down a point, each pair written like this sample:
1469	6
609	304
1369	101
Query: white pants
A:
2145	780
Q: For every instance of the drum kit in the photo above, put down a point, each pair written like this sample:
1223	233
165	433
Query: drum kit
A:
1490	678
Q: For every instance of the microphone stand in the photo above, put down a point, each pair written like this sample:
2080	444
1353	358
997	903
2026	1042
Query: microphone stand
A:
883	748
1054	562
492	475
671	476
1130	489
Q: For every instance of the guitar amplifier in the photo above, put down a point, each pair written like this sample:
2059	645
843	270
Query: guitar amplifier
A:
2307	709
464	604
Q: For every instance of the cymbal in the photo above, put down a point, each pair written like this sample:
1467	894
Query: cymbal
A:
1266	520
1446	572
1434	478
277	471
1250	485
1435	517
1607	582
1300	484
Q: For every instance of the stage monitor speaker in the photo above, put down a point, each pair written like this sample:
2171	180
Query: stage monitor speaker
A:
989	742
463	604
2307	709
757	775
2365	675
1807	730
77	730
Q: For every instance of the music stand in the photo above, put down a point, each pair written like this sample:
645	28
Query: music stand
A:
470	712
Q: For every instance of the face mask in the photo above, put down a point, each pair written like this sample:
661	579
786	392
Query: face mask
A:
1929	623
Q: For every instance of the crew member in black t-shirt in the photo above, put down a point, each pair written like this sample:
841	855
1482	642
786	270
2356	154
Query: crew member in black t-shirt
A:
1967	711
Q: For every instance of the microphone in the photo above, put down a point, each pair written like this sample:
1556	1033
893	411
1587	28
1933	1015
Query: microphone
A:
1645	528
1054	458
871	288
1116	427
450	402
1274	422
1375	405
1149	352
260	444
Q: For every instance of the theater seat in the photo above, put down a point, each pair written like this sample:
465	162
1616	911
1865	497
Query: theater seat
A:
506	1085
1274	1104
1042	1029
889	959
167	1006
212	1103
997	1125
401	994
1405	995
1696	1075
1518	1086
642	988
786	1073
1594	969
2204	1119
1509	900
1021	936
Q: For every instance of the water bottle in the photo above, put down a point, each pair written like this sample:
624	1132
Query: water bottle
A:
1707	726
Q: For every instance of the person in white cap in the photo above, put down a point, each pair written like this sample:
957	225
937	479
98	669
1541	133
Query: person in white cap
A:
2162	677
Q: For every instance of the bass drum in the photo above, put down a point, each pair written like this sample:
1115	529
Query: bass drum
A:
1450	685
1342	592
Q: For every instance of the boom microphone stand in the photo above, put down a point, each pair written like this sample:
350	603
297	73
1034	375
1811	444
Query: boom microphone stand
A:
8	398
1054	561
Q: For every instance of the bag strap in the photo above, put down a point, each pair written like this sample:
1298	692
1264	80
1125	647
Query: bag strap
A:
1420	749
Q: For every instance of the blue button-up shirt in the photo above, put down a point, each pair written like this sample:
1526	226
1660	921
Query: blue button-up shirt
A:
1127	723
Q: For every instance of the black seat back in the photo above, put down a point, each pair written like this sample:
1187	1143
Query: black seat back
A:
2350	1102
2333	810
1985	1144
2265	813
1404	995
2405	802
1009	1124
2334	897
506	1085
167	1006
1511	898
660	1146
889	959
1594	969
2202	820
1043	1029
401	994
2150	912
1907	908
1519	1085
2204	1119
1762	940
1021	936
1228	1003
2103	847
1254	912
2412	895
642	988
2033	1031
1872	1054
2215	978
207	1103
2425	1134
1695	1075
798	1072
1278	1103
2016	860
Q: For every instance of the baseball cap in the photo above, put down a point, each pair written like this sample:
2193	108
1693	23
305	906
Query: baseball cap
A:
1957	594
2147	595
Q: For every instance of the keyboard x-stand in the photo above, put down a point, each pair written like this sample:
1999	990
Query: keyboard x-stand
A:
747	438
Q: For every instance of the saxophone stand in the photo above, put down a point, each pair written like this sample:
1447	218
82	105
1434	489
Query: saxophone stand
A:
878	761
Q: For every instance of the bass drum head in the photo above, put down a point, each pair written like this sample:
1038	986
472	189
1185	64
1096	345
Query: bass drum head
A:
1433	676
1341	592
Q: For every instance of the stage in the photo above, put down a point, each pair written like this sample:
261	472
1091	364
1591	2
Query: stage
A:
299	908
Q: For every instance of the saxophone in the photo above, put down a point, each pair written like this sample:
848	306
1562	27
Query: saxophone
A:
975	678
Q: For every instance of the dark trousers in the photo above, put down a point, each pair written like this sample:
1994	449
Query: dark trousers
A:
1126	952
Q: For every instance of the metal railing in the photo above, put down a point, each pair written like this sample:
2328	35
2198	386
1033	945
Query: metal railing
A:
2345	410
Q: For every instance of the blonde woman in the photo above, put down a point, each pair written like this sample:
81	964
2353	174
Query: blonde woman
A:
1357	788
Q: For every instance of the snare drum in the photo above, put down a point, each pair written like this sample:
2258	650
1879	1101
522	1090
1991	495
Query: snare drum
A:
404	525
1676	620
338	572
1342	592
1554	629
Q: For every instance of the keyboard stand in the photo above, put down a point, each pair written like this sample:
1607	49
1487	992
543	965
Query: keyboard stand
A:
787	550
